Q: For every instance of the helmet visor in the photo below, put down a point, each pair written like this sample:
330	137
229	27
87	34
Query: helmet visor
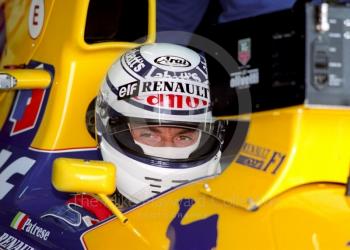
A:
172	142
158	138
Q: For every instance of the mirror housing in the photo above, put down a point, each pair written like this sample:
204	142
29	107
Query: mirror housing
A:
83	176
24	79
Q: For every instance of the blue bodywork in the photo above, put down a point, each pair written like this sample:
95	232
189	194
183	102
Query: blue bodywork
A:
25	180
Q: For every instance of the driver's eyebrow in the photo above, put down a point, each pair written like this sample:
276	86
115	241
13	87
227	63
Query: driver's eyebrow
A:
185	131
181	132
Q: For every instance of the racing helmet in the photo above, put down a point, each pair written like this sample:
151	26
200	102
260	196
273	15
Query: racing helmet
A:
154	122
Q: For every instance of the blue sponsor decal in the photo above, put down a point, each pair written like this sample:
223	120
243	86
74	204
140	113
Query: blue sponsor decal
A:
199	235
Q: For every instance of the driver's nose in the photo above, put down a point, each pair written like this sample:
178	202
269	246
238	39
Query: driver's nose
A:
167	136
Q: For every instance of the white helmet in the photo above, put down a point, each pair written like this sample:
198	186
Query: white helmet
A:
153	120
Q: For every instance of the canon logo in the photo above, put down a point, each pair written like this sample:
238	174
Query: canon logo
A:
174	61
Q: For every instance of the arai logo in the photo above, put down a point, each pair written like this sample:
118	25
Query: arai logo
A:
174	61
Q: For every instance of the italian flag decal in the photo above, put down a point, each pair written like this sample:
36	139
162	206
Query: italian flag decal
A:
19	220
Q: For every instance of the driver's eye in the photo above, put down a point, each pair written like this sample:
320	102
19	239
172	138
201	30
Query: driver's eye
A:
146	135
185	138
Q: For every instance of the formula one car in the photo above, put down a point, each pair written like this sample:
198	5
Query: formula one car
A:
287	186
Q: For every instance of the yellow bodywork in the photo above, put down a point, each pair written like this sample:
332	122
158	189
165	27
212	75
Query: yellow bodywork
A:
294	199
309	217
79	67
285	189
294	146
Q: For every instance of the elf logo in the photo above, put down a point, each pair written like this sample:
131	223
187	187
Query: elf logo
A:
173	61
22	222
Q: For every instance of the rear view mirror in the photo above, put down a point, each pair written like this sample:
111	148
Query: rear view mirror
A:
83	176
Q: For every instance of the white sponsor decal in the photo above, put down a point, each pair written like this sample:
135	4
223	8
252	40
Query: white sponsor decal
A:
36	18
146	88
173	61
134	60
166	94
22	222
35	230
19	166
244	78
9	242
190	76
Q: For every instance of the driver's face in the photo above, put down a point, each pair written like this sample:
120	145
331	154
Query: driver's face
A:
164	136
